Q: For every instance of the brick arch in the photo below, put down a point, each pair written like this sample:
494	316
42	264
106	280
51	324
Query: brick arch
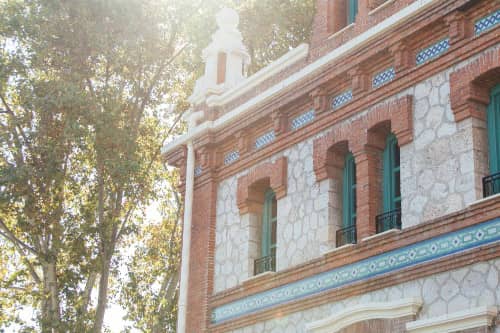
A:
471	85
398	114
325	148
251	187
365	138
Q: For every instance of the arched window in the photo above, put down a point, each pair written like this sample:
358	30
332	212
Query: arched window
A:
391	189
348	231
352	11
491	184
267	261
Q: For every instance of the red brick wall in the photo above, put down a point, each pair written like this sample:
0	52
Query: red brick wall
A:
202	257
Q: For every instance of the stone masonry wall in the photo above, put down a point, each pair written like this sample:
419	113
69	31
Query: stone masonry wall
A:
437	178
457	290
302	220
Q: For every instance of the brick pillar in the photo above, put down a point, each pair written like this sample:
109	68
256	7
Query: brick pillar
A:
336	15
362	19
458	27
368	190
201	269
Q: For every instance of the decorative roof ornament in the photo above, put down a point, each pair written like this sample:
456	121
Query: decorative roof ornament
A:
225	59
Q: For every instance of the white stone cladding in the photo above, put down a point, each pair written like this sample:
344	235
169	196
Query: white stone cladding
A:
445	293
302	221
440	174
437	168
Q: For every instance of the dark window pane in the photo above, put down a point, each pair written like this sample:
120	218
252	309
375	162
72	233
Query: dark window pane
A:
397	184
275	208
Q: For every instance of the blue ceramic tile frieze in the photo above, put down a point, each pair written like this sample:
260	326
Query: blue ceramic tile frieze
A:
341	99
198	170
428	250
265	139
231	157
302	120
487	22
383	77
433	51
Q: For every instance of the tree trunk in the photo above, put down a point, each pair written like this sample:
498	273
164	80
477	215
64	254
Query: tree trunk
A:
51	318
102	300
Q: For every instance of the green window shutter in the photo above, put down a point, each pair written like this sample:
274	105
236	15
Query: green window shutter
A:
269	224
352	10
391	175
349	192
493	121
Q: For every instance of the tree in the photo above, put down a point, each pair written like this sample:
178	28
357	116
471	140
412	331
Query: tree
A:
82	89
270	28
81	86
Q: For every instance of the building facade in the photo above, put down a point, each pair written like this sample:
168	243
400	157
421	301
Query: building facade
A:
353	184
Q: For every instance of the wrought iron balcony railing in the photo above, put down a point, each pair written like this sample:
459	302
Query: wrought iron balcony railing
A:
346	235
491	185
264	264
389	220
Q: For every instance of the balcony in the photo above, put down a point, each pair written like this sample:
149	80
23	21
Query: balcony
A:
491	185
389	220
264	264
346	235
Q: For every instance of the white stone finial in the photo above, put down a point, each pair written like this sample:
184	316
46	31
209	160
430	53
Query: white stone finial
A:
228	19
225	58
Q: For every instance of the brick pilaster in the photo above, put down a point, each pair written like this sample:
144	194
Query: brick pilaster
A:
368	189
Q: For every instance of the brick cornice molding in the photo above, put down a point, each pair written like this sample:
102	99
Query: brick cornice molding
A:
398	112
470	86
250	190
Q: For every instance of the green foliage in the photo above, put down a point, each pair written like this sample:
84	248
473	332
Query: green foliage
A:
84	86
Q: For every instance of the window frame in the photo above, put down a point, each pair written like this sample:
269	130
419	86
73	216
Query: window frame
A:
349	191
268	244
391	171
493	128
352	11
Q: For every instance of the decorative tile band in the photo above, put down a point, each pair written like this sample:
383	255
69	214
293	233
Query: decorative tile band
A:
265	139
487	22
341	99
411	255
433	51
303	119
231	157
198	170
384	77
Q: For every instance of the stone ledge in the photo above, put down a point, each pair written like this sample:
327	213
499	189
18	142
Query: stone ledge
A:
382	6
258	276
362	312
382	234
344	247
480	201
458	321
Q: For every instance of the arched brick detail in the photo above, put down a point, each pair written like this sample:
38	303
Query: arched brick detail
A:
365	137
470	86
398	113
251	187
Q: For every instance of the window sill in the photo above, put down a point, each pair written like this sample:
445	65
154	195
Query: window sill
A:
387	232
256	277
337	249
382	6
492	197
347	27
